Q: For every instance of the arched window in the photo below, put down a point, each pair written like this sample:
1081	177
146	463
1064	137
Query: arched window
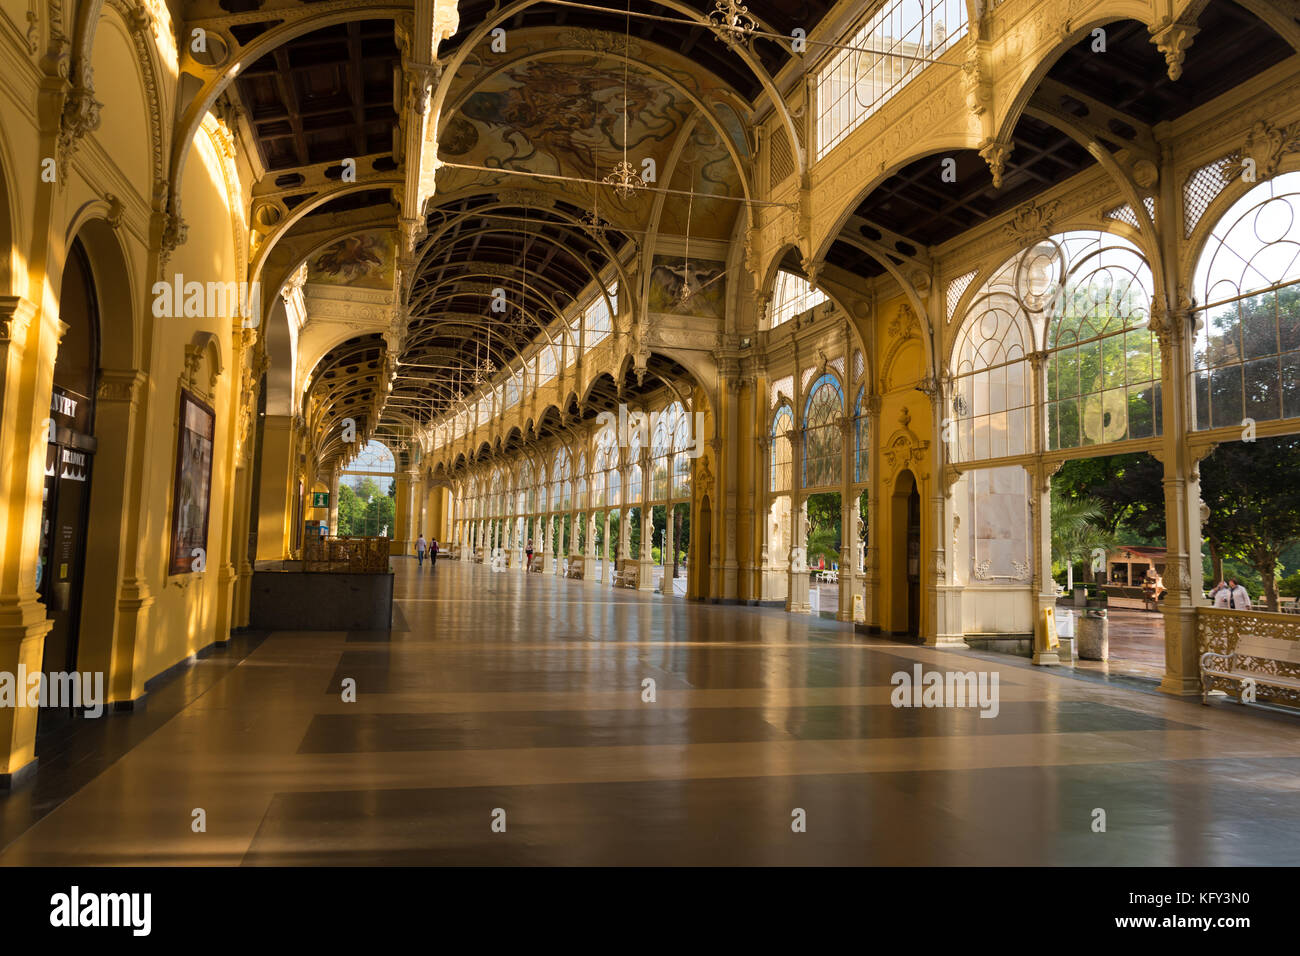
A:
561	487
613	480
791	296
580	482
780	477
1103	367
634	468
860	445
599	319
525	487
496	492
1246	353
682	443
661	450
606	458
823	441
546	365
1086	296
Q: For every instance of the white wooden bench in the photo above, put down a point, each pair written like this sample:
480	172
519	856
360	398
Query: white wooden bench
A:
1269	662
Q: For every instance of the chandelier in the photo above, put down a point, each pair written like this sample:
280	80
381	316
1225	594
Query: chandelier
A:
624	177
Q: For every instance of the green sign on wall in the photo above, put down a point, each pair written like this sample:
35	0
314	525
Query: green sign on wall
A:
320	499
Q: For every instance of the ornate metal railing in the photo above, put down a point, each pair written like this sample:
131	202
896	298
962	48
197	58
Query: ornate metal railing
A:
1260	646
346	555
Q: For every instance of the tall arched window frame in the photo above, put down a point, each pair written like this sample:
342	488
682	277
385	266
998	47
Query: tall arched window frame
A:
580	482
605	463
634	485
561	486
823	442
780	476
860	443
1086	297
546	365
525	488
1246	349
792	295
661	450
682	443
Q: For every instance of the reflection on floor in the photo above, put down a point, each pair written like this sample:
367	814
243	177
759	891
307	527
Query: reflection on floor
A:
1137	642
519	701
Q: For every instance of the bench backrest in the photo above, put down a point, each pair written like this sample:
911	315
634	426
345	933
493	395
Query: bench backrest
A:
1268	648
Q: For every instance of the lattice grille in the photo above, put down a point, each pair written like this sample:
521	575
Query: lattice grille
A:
1150	203
780	157
783	385
1122	213
1203	185
859	365
838	365
956	288
808	373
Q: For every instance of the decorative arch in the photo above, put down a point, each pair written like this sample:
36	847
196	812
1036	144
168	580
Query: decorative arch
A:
1246	337
823	440
1083	298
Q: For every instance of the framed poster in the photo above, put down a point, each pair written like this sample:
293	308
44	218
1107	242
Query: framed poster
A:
192	491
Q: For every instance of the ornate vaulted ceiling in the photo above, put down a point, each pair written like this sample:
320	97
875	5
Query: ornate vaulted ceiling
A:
525	136
1121	93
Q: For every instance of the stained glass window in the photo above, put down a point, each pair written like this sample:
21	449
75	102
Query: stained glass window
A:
823	441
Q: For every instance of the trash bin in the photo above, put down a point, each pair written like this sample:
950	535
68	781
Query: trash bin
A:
1092	634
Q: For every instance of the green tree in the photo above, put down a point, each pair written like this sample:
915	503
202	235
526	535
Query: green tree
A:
823	543
349	509
1253	497
1077	531
379	516
1127	490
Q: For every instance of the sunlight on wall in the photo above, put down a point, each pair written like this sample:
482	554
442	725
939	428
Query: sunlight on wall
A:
164	34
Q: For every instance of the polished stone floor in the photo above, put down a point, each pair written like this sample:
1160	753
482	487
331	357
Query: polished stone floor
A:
500	697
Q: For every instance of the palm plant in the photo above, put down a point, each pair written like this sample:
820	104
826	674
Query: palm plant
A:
1077	533
824	542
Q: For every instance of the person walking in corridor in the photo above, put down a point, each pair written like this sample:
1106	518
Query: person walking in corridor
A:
433	555
421	546
529	566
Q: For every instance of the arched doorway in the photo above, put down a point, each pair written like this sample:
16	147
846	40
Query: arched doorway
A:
905	576
61	565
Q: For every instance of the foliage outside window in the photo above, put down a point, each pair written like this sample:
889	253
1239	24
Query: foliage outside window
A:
1246	351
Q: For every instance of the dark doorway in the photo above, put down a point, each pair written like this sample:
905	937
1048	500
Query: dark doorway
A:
905	589
69	454
914	563
704	545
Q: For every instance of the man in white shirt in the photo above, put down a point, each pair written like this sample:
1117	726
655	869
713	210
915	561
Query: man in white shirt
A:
421	546
1221	595
1238	596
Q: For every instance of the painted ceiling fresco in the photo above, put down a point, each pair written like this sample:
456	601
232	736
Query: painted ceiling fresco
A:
364	261
562	113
